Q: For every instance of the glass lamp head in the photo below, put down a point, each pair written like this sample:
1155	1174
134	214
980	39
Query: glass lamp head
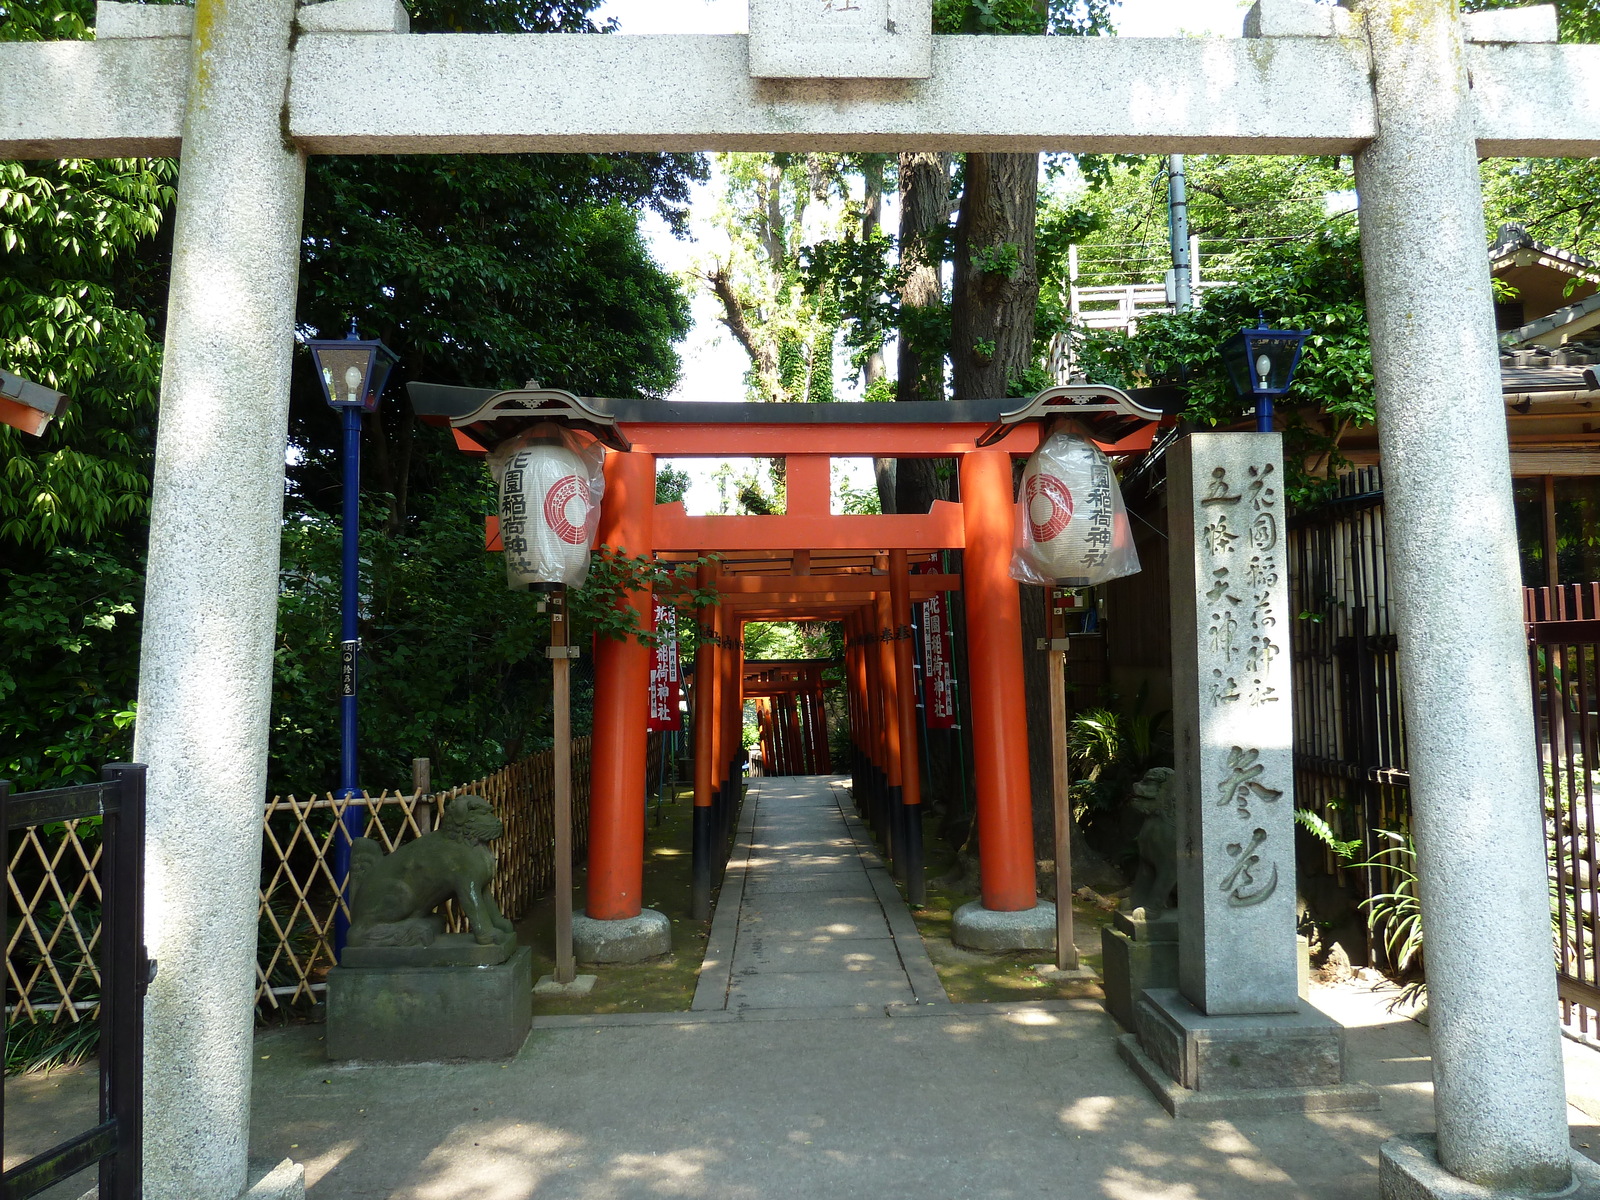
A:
352	372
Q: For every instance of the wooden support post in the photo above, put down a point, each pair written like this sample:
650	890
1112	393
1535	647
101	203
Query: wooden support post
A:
1060	780
422	786
561	704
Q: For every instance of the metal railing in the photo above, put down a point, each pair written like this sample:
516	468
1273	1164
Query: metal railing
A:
114	874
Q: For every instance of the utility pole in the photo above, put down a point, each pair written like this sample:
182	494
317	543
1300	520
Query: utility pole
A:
1179	293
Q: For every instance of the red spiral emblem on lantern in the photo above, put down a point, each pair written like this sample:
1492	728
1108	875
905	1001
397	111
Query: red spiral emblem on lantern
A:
562	493
1055	493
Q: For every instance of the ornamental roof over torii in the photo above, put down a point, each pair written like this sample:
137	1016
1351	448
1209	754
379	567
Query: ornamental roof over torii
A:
826	545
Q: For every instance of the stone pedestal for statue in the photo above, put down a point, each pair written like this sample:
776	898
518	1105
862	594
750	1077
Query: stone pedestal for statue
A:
1137	953
406	991
1234	1037
430	1014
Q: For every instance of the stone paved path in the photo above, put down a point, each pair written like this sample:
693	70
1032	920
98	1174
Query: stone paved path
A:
808	916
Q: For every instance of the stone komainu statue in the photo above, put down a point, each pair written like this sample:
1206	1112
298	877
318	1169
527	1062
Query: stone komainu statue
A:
1157	875
393	897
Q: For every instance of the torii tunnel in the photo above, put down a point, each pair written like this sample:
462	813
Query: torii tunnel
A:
807	564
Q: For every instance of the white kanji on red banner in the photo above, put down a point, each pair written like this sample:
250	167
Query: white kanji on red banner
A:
665	686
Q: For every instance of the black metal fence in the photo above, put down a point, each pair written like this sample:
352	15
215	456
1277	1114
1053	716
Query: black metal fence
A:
1349	741
115	1143
1564	661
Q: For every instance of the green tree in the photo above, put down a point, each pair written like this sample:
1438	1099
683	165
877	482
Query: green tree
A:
787	328
81	273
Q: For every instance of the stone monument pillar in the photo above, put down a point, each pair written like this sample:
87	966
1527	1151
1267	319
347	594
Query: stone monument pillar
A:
1234	1037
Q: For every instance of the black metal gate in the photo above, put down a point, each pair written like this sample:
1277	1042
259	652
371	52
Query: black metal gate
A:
115	1143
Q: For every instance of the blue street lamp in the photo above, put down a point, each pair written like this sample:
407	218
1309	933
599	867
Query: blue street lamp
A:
1261	364
352	373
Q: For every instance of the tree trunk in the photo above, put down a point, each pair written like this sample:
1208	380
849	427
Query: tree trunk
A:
996	286
924	209
995	296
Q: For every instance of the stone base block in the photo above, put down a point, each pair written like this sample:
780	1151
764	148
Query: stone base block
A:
267	1180
1408	1169
1180	1101
446	950
979	928
264	1180
430	1014
630	940
1130	964
581	985
1229	1064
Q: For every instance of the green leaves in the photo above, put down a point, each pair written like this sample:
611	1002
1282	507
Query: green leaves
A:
72	234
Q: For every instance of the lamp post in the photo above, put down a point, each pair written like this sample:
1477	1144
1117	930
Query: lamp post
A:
352	373
1261	363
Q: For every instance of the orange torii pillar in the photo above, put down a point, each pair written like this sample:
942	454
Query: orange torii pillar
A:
732	725
791	720
819	698
908	861
1009	916
617	928
854	686
878	767
702	837
889	724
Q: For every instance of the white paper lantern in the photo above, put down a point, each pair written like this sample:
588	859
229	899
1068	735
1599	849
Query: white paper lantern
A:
548	511
1072	527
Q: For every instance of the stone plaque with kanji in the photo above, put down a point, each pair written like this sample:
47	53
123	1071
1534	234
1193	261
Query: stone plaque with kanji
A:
841	39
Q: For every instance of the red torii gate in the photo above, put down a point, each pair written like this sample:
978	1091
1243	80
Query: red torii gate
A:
808	564
790	714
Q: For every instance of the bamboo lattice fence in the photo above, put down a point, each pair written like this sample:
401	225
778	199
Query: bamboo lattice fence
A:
51	970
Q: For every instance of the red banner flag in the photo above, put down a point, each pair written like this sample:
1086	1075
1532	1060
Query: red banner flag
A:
665	686
938	676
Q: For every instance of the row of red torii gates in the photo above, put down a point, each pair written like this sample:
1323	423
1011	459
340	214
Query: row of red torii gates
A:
808	564
791	715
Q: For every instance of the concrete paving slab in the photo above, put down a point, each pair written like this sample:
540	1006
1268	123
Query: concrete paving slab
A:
783	954
829	882
788	989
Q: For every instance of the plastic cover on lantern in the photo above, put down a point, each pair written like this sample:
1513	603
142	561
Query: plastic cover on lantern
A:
550	485
1072	528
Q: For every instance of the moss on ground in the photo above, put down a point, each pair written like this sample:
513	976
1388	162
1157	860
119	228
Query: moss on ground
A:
973	976
664	984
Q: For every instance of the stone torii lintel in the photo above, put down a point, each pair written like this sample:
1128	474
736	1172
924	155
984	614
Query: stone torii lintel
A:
398	93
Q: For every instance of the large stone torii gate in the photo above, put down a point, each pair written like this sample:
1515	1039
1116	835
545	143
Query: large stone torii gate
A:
252	90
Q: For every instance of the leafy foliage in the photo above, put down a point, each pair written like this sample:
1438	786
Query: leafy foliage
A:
1395	916
1023	16
1315	285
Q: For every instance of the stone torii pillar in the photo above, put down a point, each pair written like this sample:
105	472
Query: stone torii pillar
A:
211	592
1477	813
